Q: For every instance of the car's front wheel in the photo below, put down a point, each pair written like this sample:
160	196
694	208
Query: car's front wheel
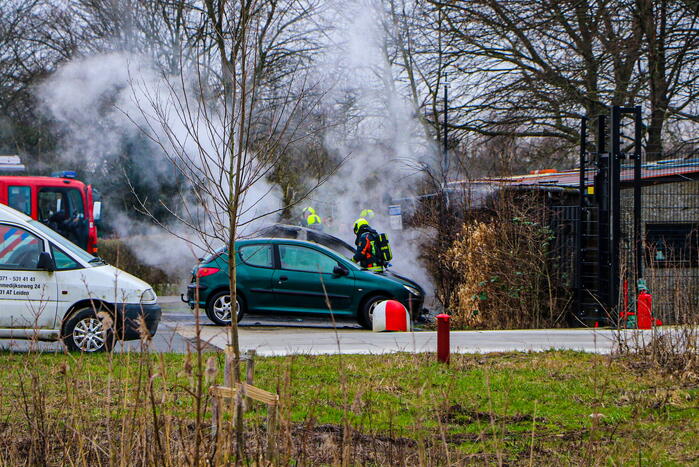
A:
86	331
366	310
220	308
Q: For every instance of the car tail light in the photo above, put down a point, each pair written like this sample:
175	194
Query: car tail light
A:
203	272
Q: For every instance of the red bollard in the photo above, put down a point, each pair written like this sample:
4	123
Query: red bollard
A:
443	338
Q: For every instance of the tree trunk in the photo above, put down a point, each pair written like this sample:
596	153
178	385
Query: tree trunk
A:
653	16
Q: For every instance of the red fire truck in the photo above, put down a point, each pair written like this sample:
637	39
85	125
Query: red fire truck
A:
63	203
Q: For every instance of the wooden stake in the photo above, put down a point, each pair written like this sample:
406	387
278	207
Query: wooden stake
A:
250	366
271	433
228	368
214	417
250	372
223	396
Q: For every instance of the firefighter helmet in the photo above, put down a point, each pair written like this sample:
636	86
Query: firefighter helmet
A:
367	214
359	223
313	219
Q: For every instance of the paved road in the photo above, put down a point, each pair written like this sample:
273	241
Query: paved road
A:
311	335
284	340
283	336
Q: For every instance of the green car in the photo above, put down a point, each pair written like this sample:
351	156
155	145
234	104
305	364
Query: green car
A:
287	276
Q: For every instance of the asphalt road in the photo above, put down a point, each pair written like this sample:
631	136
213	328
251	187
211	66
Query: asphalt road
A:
178	331
318	335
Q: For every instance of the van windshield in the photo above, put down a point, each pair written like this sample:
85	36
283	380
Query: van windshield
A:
66	244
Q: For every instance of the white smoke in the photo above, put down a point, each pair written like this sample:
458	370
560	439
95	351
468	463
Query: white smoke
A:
98	102
104	102
386	146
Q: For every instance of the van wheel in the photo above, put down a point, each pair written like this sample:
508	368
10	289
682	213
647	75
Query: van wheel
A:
86	332
366	310
219	308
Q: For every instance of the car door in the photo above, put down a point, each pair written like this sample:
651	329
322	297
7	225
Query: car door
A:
71	284
304	278
254	272
28	295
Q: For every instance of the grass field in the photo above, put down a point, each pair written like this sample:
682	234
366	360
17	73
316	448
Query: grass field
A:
540	408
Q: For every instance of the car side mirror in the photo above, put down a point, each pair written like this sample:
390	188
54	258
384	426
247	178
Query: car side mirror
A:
340	270
46	262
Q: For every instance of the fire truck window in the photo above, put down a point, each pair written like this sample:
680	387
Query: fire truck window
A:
19	249
75	201
51	203
20	198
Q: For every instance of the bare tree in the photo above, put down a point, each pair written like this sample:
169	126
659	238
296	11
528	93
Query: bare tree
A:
671	39
537	66
30	49
223	124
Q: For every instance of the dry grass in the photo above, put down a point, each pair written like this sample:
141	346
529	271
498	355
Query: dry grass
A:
520	409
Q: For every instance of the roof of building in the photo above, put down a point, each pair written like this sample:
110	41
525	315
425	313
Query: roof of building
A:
665	171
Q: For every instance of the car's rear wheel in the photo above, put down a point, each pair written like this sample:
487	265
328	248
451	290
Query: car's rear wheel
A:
366	310
85	331
220	308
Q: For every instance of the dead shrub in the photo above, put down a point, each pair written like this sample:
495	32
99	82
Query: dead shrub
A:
114	251
507	269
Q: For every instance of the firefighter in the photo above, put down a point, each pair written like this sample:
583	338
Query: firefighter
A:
367	254
367	214
313	220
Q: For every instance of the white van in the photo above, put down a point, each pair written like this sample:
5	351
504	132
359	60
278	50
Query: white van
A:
51	289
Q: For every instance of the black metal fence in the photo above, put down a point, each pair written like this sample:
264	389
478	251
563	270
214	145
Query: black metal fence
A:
637	225
670	234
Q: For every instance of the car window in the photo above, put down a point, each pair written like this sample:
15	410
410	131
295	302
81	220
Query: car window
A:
72	248
20	198
257	255
305	259
62	260
19	249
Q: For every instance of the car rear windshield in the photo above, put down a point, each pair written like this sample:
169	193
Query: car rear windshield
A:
212	256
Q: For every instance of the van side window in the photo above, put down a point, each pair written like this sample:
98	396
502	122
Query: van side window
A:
20	198
62	260
19	249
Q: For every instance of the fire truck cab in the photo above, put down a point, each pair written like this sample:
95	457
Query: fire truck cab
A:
66	205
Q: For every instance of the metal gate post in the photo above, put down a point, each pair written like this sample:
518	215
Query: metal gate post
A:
602	196
615	211
579	220
604	284
637	235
